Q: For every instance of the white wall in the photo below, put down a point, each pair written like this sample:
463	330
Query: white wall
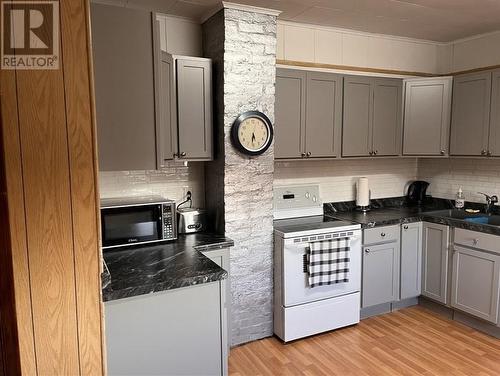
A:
172	182
316	44
337	178
473	175
476	52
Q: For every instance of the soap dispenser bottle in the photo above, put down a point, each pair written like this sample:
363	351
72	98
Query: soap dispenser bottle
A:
460	200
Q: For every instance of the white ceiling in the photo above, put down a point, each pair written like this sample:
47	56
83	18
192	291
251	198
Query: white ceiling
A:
438	20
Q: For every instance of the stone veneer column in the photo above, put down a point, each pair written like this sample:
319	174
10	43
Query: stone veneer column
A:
242	44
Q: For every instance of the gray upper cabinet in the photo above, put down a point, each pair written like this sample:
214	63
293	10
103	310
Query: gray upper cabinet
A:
411	260
357	117
372	117
166	132
427	116
323	114
387	108
124	87
308	114
494	141
475	283
290	110
471	114
435	243
194	108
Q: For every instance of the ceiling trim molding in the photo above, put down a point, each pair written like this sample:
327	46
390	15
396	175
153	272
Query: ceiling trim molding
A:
242	7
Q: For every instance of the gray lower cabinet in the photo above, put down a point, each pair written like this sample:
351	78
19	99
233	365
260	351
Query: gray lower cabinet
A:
175	332
371	117
475	283
380	274
122	42
471	114
221	258
308	114
435	244
427	116
411	260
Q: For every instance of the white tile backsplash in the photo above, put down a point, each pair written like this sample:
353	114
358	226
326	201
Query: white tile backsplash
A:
473	175
388	177
171	182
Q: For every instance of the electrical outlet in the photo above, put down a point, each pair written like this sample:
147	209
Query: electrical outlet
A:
186	191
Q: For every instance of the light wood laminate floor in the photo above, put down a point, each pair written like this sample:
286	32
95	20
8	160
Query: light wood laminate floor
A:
412	341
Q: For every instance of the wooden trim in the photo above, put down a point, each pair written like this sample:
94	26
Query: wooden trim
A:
475	70
17	316
352	68
83	182
306	64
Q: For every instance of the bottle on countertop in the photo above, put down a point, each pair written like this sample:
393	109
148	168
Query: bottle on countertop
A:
460	200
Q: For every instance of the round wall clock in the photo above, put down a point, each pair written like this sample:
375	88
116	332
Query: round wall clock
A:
252	133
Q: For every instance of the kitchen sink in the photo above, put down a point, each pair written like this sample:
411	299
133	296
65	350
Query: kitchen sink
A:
482	218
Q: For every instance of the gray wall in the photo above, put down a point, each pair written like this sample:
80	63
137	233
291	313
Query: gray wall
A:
244	80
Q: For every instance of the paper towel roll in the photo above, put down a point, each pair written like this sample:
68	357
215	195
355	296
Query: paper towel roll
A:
362	192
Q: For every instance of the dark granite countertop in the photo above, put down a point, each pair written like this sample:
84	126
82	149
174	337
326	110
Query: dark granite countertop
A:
142	270
393	211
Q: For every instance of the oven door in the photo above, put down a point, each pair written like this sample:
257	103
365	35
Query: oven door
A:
131	225
296	288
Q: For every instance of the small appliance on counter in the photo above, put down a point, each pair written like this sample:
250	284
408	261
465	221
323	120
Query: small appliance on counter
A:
417	192
137	220
362	195
189	219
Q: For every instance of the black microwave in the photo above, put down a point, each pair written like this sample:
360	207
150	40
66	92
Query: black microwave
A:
137	220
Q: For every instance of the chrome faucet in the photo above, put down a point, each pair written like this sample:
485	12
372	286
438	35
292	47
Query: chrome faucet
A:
490	202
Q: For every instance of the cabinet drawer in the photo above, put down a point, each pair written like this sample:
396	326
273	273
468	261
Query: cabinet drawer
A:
381	234
478	240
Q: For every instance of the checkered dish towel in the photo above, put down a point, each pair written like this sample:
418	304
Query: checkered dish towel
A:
328	262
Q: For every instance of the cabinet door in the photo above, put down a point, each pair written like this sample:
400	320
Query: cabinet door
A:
494	140
475	283
167	123
427	116
323	114
357	118
122	41
387	107
194	108
411	260
435	261
471	114
290	110
157	334
380	274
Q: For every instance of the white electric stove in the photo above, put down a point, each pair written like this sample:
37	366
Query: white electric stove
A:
299	310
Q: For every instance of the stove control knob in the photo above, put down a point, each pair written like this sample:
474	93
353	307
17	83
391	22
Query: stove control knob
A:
315	199
308	195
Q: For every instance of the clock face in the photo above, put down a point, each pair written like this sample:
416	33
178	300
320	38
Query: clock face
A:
253	134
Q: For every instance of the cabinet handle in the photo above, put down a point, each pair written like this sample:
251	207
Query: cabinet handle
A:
475	241
483	152
382	234
367	251
308	154
405	227
303	155
375	152
488	153
443	152
371	153
183	154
